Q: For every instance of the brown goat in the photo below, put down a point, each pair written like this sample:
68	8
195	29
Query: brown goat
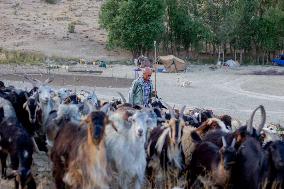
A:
211	124
79	155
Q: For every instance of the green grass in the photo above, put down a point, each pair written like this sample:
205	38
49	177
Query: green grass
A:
20	57
27	57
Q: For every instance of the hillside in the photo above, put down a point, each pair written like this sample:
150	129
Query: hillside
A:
34	25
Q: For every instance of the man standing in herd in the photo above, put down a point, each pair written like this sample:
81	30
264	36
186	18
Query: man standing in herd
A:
141	90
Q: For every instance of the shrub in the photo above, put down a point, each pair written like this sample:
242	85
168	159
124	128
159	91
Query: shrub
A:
71	27
51	1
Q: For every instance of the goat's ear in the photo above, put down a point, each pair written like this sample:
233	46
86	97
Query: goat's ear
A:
25	105
26	95
110	123
1	113
88	119
195	137
130	119
52	93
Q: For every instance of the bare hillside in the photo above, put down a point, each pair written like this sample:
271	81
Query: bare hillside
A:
37	26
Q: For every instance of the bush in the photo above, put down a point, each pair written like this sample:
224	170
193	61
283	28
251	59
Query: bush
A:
71	27
51	1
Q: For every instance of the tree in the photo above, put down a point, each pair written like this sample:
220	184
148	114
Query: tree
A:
133	24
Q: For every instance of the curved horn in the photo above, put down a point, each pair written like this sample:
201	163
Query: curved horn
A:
263	120
86	91
181	112
224	141
122	97
105	108
233	143
33	81
48	80
250	121
170	109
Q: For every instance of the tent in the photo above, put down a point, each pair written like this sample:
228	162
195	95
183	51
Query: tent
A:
172	63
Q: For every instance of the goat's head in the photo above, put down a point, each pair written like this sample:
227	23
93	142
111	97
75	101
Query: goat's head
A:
45	93
140	121
211	124
152	116
96	122
228	153
32	107
249	129
72	99
25	178
175	125
276	150
227	121
63	93
68	112
93	99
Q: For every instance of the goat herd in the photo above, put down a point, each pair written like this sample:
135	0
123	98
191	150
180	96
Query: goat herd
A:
97	144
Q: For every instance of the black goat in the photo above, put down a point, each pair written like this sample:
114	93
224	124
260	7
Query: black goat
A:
164	149
275	165
210	160
250	160
17	143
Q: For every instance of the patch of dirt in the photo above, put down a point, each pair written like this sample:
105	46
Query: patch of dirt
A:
35	25
78	80
266	72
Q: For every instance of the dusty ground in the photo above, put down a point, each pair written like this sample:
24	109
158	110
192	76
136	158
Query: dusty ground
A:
232	91
37	26
235	92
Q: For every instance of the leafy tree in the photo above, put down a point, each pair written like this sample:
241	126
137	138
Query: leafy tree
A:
133	24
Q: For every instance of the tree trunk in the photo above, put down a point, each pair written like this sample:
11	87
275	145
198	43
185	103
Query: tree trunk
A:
241	56
219	54
223	57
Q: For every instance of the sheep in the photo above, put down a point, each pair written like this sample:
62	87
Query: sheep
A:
16	142
210	160
125	147
164	149
79	154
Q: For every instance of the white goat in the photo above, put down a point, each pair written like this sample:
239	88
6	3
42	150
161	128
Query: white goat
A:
46	93
63	93
65	113
46	102
125	147
9	111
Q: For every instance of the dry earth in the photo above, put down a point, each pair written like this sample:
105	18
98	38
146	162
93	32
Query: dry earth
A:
37	26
